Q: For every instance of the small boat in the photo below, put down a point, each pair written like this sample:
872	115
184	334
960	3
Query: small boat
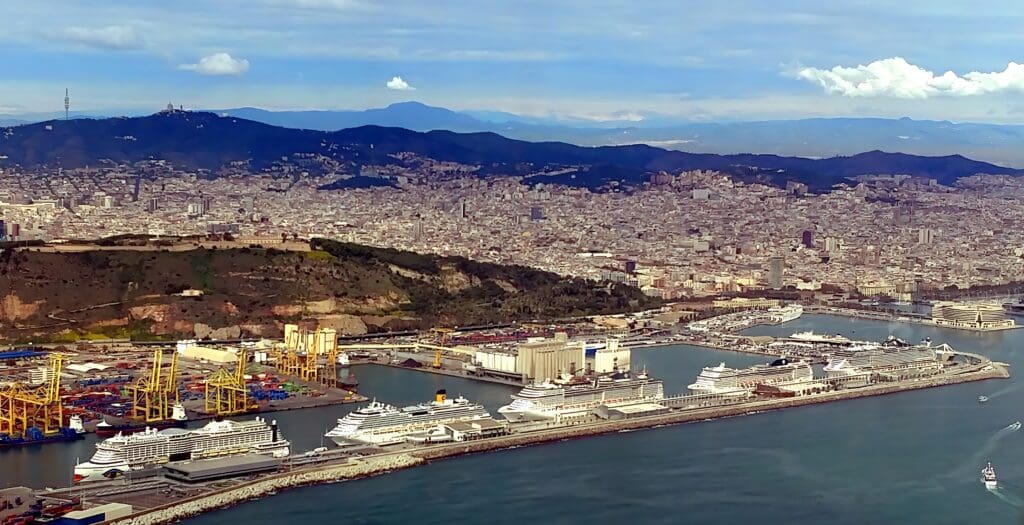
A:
982	399
988	477
1015	426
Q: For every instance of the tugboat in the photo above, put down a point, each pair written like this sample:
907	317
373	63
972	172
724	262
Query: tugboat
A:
982	399
178	420
349	382
988	477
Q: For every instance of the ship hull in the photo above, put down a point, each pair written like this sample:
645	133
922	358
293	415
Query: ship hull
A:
92	472
524	416
21	442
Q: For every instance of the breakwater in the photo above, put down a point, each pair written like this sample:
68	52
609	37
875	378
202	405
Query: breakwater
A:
353	469
382	463
704	414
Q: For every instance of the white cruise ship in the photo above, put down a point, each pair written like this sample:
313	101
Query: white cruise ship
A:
381	424
811	337
547	400
124	452
892	354
785	314
724	380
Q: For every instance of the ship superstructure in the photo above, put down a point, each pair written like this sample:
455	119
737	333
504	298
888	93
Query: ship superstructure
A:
547	400
123	452
892	354
736	381
382	424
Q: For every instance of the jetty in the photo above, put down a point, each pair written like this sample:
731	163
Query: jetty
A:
157	500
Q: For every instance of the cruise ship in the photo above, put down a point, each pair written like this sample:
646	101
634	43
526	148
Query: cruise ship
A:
381	424
785	314
724	380
125	452
548	400
893	353
811	337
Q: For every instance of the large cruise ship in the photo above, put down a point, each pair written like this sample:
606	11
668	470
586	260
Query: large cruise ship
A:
893	353
125	452
785	314
548	400
381	424
724	380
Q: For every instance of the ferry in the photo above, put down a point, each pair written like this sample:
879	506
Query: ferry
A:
785	314
724	380
125	452
547	400
988	477
381	424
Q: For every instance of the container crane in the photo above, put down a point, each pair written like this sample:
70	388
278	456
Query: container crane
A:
225	392
311	356
22	408
154	397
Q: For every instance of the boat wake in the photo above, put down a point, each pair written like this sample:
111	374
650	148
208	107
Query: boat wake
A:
985	451
1007	497
1006	390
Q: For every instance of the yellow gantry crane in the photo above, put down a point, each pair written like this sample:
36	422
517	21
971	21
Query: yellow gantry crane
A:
154	397
225	391
22	407
309	355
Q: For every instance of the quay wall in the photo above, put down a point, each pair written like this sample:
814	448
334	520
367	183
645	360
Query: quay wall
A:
373	465
260	488
690	416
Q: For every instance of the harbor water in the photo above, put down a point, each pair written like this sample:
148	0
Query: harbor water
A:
912	457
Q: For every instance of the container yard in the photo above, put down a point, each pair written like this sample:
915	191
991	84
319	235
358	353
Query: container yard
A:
60	393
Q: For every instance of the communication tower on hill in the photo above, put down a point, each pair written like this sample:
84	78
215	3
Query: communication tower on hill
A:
67	103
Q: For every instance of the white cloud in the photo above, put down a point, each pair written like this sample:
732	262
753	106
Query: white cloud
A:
218	64
110	37
895	77
397	84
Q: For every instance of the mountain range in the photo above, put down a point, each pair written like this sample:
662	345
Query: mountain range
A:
205	140
814	138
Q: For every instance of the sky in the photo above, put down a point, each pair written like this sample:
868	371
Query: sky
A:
593	60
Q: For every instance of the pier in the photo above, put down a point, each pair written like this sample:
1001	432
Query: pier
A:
156	499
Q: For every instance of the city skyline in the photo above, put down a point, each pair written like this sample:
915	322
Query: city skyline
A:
588	62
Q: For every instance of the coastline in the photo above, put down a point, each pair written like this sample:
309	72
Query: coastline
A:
386	462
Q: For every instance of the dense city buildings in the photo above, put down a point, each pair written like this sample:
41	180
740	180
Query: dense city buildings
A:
692	233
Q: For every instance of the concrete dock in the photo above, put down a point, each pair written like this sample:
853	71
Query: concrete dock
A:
160	502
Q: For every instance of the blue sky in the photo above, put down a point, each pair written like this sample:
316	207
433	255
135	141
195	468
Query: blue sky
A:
593	59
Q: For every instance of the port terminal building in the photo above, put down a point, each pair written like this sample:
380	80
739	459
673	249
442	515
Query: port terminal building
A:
972	316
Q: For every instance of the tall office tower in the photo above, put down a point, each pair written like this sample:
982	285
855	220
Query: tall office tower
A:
776	266
807	239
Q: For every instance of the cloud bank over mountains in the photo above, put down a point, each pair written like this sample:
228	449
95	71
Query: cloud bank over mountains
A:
895	77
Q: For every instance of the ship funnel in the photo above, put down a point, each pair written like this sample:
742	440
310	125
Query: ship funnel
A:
441	395
273	429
